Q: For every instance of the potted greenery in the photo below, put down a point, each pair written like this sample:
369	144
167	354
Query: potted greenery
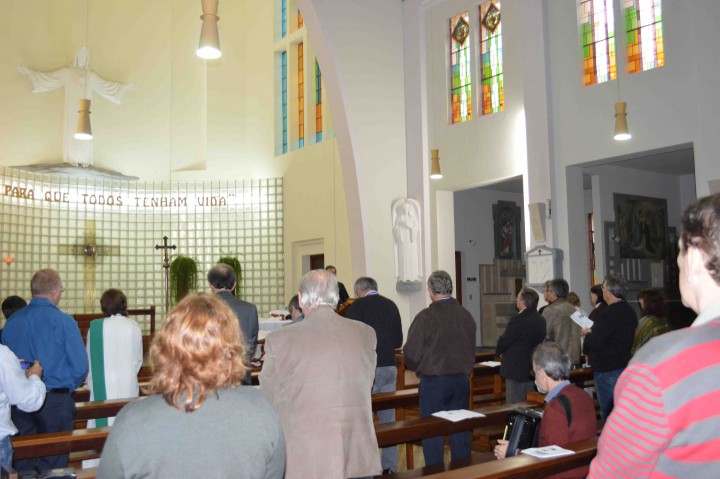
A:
183	277
234	263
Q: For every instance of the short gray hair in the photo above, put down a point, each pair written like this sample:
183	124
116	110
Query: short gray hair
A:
365	283
318	288
551	358
560	287
440	282
616	284
529	297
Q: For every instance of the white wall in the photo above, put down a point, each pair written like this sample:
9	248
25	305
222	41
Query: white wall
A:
474	223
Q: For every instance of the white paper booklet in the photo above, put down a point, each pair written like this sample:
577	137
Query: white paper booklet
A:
492	364
457	415
547	452
582	320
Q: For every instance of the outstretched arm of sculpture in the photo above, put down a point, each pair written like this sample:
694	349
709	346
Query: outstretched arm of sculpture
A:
45	81
110	90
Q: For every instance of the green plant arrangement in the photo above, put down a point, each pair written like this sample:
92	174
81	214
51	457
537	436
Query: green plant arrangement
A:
234	263
183	277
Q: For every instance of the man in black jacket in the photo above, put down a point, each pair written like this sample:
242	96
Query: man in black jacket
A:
222	281
383	316
524	331
609	341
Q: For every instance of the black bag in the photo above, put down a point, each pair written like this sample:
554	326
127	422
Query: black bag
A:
523	427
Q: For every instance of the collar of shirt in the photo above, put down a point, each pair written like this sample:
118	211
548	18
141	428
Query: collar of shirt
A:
710	313
554	391
371	292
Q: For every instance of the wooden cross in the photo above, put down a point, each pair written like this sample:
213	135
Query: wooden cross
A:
89	250
166	264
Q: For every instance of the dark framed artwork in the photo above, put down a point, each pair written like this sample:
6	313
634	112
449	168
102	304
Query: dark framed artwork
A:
642	226
506	228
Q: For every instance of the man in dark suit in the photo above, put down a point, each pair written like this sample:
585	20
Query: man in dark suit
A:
383	316
222	281
524	331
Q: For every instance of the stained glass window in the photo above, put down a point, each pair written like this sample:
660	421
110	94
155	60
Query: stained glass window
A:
491	59
461	80
283	9
283	76
318	103
643	20
300	20
301	97
597	25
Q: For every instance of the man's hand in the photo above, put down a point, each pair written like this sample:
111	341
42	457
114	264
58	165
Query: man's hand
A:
34	369
501	449
585	331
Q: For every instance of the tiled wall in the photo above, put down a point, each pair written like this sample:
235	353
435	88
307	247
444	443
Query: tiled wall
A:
45	221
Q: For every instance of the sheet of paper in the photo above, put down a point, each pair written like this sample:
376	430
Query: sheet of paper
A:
492	364
457	415
582	320
547	452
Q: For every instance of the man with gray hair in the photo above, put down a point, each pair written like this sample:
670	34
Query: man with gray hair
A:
222	281
440	348
560	327
318	375
569	413
41	332
381	314
609	342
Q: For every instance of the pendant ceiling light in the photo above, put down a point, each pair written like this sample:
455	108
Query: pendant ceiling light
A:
209	46
621	127
83	131
435	172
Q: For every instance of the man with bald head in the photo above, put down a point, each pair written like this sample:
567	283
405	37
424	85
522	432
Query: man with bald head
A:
42	332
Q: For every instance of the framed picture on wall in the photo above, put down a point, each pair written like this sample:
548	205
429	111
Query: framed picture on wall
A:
642	226
506	226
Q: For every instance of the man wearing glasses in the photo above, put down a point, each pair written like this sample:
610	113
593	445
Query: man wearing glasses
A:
42	332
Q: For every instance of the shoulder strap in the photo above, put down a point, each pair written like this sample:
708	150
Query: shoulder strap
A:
567	406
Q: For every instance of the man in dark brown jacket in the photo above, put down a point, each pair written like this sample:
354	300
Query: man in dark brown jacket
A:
440	349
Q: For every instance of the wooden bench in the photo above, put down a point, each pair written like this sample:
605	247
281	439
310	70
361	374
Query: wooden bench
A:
485	466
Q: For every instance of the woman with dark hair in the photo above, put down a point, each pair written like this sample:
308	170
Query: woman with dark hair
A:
200	421
115	354
654	321
597	301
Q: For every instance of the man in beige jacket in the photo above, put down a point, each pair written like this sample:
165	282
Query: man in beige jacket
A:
560	327
318	375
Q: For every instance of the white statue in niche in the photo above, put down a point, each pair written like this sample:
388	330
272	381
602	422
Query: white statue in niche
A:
79	82
408	247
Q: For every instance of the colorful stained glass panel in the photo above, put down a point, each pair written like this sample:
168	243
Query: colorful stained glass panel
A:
645	46
318	104
301	96
460	76
597	32
491	59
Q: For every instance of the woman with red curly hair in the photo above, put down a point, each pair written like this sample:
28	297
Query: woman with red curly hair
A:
200	421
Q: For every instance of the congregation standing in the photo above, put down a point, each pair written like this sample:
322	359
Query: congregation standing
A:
310	418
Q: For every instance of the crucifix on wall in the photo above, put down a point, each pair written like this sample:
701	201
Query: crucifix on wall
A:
89	250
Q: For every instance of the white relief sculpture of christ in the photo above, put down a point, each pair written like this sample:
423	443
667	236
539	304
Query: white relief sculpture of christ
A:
406	233
79	82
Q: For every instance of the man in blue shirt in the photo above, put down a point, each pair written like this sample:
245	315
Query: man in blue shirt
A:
42	332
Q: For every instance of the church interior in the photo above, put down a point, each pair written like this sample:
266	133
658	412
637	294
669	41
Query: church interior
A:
319	115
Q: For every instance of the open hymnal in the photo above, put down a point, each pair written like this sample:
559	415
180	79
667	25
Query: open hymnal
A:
581	320
457	415
547	452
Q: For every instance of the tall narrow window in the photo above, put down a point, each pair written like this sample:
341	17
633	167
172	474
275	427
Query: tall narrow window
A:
493	92
283	76
598	40
300	20
644	35
301	97
283	21
318	103
461	81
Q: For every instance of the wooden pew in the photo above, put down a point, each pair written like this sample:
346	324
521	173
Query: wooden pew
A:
516	467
